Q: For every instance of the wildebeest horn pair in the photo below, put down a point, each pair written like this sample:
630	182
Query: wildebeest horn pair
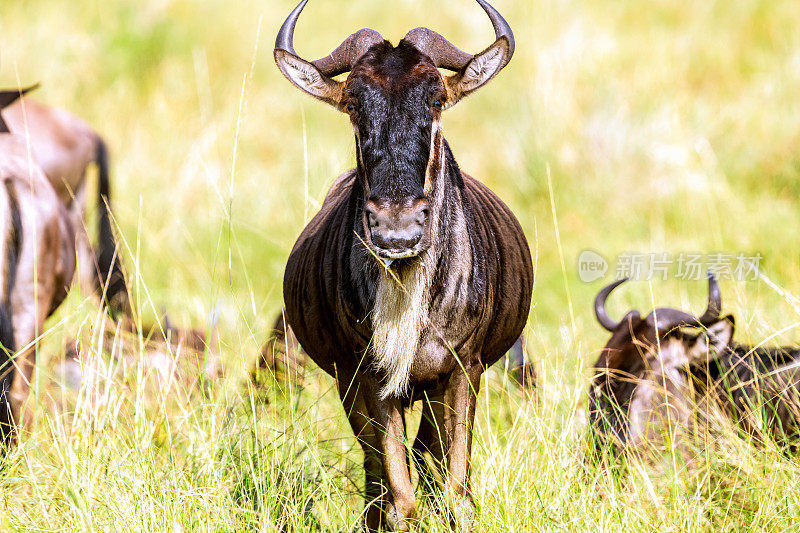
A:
471	71
663	319
443	53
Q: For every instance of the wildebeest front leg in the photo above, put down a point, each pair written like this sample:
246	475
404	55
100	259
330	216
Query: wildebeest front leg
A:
391	432
25	329
460	397
360	421
87	268
387	423
430	440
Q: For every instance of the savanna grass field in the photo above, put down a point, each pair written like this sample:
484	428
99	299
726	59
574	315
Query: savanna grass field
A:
618	127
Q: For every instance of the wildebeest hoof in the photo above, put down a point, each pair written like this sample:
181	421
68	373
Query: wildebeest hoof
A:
397	521
462	515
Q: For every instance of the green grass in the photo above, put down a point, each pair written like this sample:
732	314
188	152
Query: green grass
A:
666	126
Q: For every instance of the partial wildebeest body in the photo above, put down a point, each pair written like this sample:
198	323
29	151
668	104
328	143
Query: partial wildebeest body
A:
413	277
282	357
38	265
759	388
653	374
65	146
172	356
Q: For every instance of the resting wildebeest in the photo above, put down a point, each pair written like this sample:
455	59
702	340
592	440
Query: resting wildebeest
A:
65	146
655	371
281	357
170	355
413	277
38	263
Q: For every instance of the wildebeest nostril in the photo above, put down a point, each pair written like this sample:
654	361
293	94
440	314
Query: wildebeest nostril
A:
372	219
422	216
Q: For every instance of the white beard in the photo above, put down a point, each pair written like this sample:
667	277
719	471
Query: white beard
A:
401	311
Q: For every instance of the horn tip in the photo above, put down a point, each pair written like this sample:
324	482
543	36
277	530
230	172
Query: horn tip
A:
285	38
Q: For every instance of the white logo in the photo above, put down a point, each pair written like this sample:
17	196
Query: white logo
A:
591	266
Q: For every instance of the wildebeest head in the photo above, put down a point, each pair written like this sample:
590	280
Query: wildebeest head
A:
641	379
394	96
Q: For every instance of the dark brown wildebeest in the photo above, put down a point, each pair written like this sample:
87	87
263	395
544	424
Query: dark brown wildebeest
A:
38	263
414	277
655	371
65	146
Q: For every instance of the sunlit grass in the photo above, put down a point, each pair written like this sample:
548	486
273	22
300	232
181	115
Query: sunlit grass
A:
666	127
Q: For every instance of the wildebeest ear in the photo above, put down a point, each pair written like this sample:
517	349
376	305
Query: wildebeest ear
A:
711	344
720	333
482	68
309	79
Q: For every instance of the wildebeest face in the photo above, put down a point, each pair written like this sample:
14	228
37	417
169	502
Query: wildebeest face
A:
394	96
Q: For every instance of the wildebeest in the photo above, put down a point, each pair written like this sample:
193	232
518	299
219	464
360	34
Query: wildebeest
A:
283	358
171	355
38	263
65	146
655	371
413	277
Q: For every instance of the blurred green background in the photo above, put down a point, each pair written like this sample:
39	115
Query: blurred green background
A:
665	126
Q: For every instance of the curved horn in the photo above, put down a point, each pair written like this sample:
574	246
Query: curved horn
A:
9	97
714	306
600	306
448	56
346	54
285	39
501	27
666	319
443	53
340	60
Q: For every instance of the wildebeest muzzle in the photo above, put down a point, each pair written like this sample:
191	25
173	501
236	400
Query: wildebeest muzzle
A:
397	229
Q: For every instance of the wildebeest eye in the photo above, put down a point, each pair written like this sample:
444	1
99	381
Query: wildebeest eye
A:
438	104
